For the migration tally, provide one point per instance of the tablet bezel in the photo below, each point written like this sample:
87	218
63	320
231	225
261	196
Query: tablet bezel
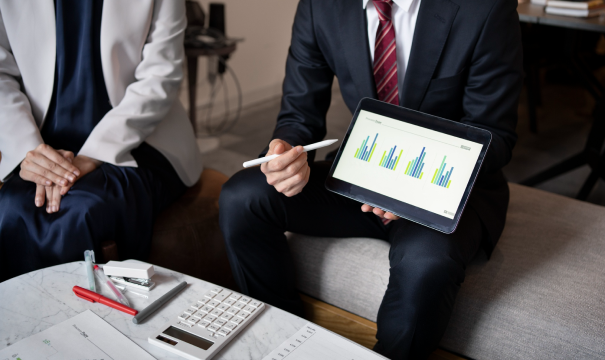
397	207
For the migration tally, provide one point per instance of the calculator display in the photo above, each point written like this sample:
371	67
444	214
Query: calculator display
188	338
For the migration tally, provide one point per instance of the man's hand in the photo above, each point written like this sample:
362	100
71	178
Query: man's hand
47	166
53	193
290	172
380	213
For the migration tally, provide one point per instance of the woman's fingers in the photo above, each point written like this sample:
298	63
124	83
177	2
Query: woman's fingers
64	189
40	194
45	164
33	177
53	198
54	193
57	158
51	165
67	155
56	196
33	172
48	190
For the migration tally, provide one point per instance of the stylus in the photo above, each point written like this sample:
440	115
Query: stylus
305	149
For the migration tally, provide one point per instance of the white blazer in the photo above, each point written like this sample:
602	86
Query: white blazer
142	57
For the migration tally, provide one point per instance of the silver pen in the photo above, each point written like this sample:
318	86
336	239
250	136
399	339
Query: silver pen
89	258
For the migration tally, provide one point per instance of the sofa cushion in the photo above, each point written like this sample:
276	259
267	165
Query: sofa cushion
540	296
351	273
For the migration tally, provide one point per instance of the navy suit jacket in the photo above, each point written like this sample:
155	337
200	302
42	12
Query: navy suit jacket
465	65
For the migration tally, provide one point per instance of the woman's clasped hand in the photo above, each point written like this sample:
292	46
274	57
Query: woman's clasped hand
54	172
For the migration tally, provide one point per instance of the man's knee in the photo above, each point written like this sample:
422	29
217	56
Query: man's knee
436	277
243	192
245	202
426	262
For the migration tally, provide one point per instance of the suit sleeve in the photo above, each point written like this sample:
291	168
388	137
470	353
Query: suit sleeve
494	84
307	87
149	98
18	130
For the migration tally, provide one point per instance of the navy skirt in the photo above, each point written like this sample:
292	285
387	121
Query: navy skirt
110	203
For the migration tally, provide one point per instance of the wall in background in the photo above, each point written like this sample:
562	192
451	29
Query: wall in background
259	61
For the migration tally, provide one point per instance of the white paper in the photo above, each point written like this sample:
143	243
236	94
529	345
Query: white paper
84	336
316	343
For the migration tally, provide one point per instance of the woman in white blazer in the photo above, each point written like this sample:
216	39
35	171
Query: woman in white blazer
93	139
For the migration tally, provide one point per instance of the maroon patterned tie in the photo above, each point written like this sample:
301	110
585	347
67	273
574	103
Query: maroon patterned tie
385	58
385	55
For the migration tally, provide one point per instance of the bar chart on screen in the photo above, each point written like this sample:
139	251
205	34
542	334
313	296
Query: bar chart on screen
389	160
441	176
416	165
364	152
409	163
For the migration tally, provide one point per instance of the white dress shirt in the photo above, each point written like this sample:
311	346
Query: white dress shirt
404	16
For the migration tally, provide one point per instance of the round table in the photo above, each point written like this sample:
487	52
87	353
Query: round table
33	302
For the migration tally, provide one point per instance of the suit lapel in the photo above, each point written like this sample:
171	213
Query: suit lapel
30	26
435	18
354	39
124	29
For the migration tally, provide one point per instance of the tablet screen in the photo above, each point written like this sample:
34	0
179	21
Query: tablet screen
422	167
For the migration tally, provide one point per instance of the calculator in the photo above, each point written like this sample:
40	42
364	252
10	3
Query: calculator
201	330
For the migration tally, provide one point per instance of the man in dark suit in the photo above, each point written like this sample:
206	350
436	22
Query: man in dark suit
457	59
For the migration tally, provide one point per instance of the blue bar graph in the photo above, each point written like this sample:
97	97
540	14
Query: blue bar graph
415	167
441	179
388	161
364	152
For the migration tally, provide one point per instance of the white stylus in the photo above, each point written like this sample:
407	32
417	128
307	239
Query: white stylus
305	149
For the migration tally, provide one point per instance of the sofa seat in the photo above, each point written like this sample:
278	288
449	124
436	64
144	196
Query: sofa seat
540	296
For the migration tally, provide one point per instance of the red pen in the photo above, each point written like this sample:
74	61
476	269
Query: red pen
93	296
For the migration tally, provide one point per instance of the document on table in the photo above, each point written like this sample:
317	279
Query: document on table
317	343
84	336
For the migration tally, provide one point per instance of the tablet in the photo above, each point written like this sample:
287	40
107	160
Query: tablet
417	166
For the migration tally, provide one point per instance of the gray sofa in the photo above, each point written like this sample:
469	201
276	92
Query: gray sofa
540	296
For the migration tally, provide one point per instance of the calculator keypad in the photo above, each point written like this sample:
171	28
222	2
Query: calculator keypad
204	323
219	311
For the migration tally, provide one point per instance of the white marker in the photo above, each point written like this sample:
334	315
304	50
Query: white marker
265	159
